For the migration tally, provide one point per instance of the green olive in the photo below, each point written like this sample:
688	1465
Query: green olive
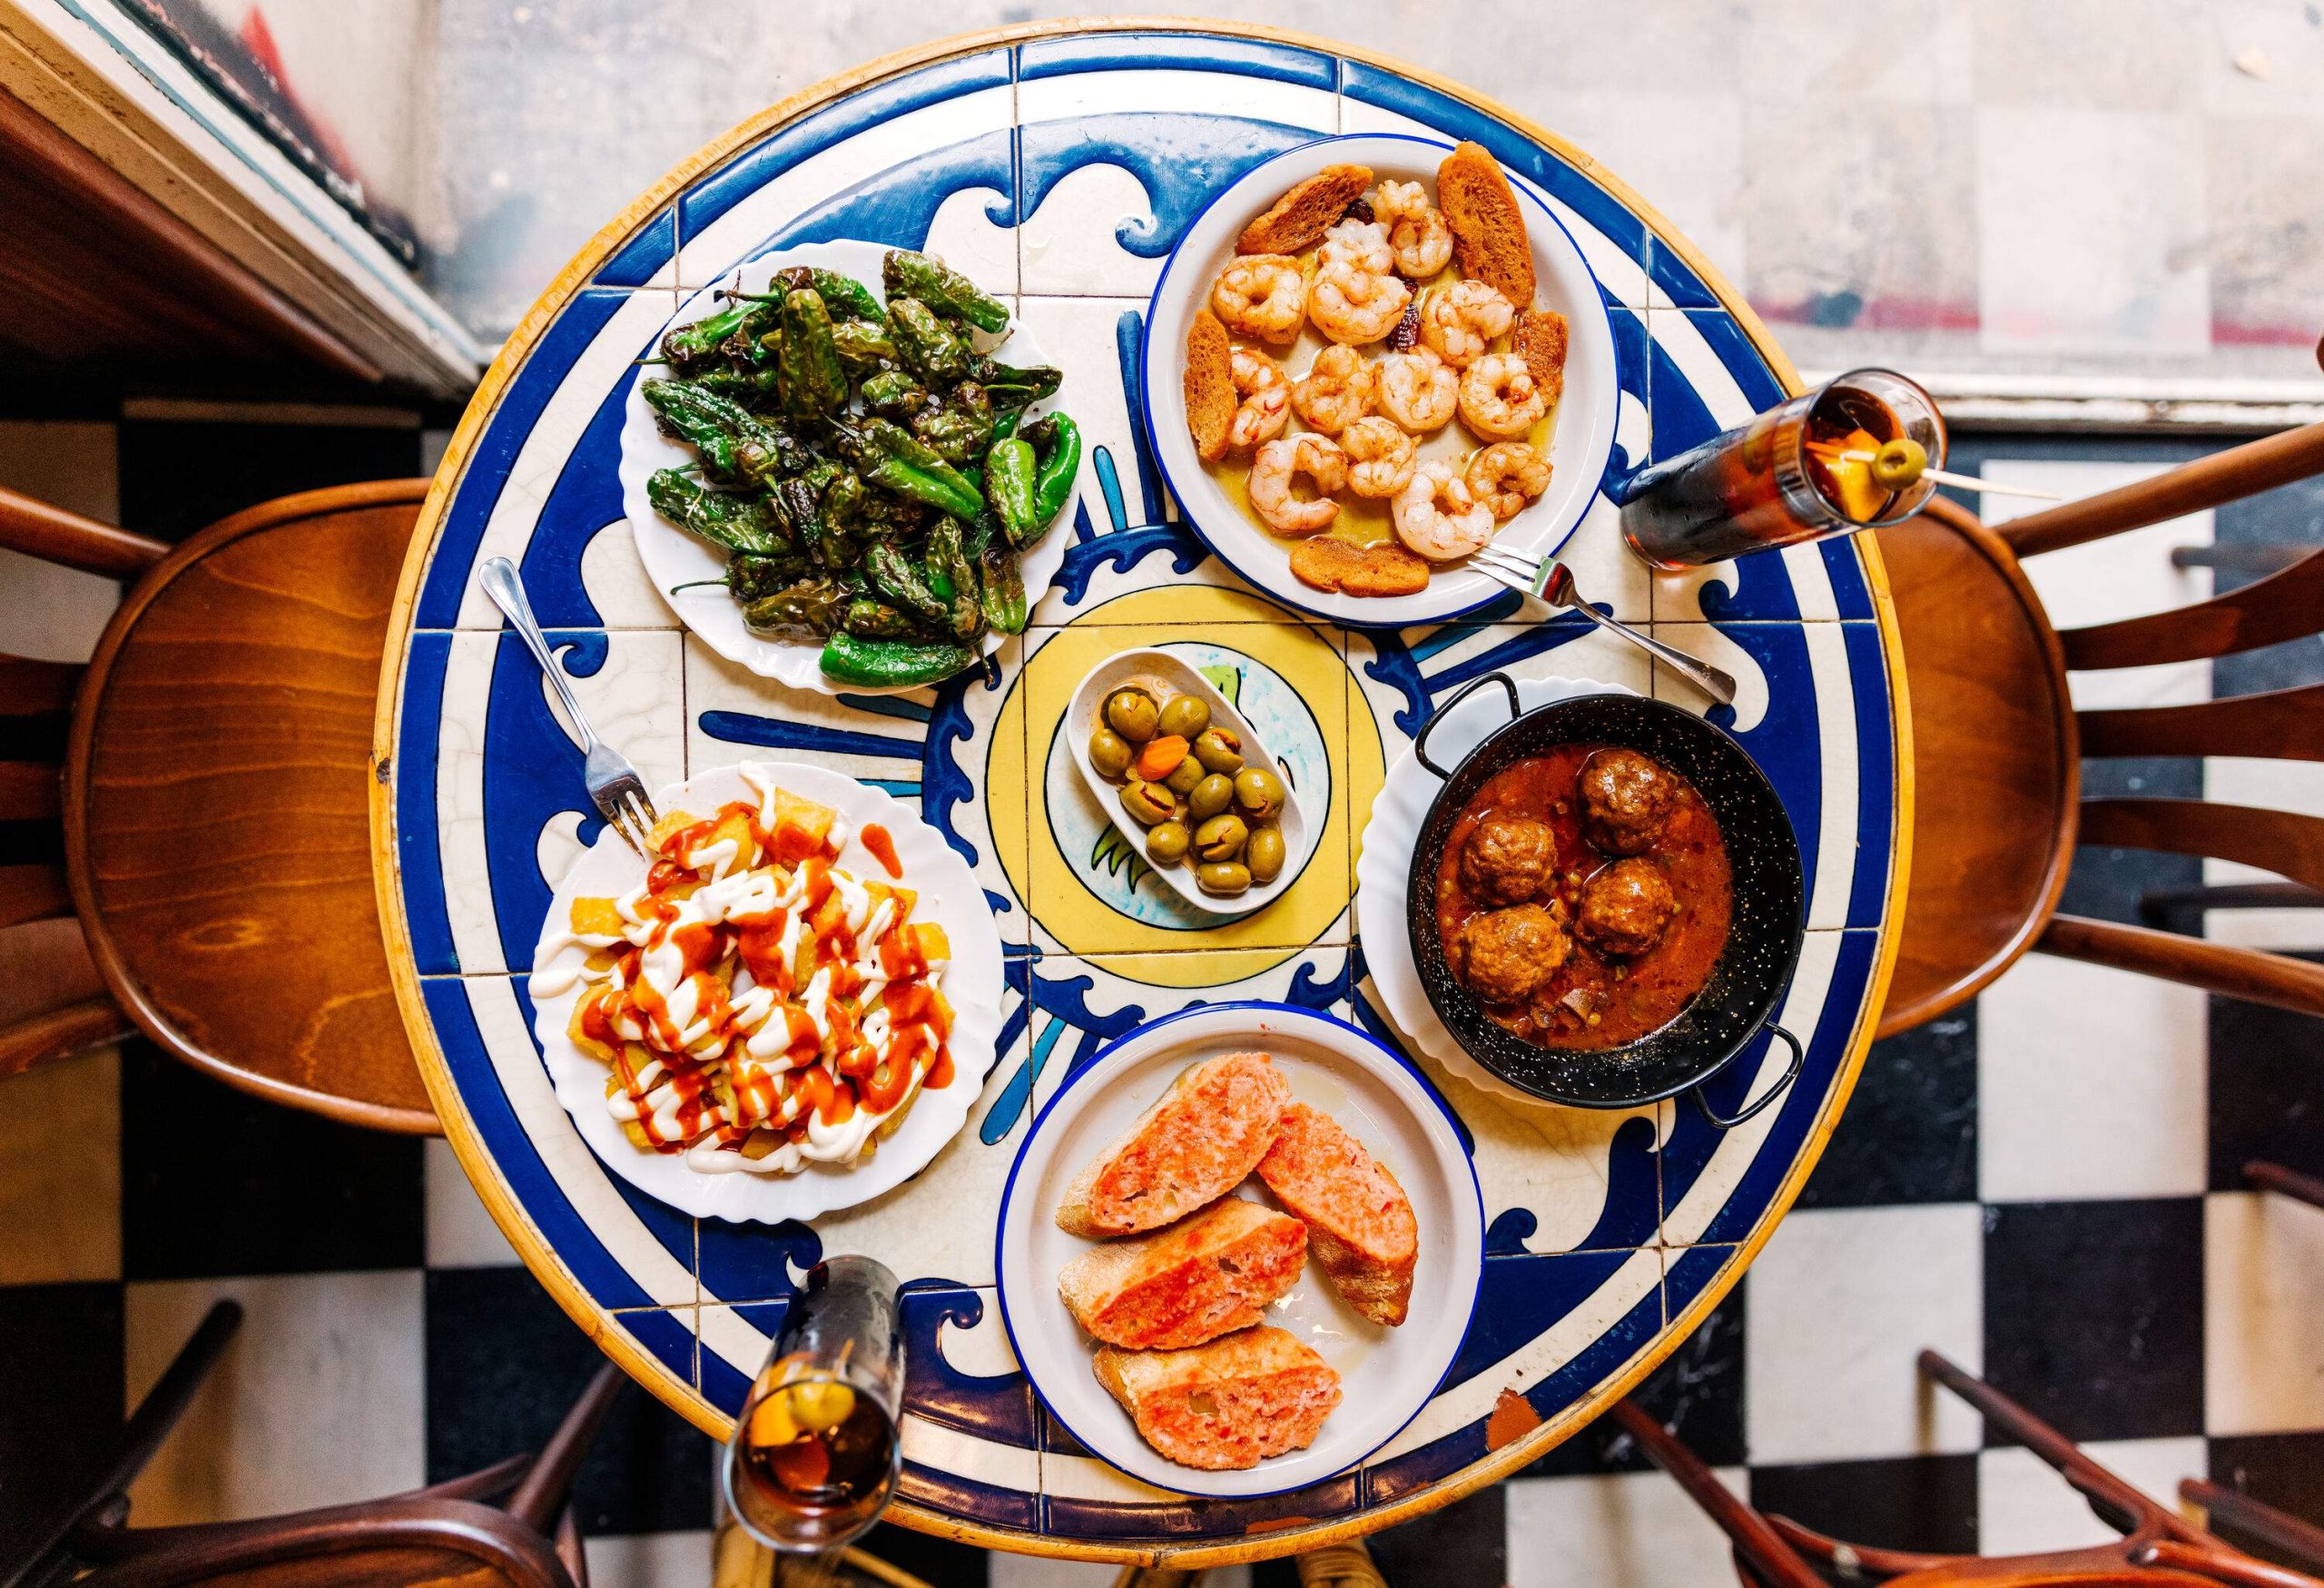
1132	713
1258	793
1211	795
1221	838
1109	753
1146	803
1228	877
1185	716
1167	843
1186	777
1220	749
1265	855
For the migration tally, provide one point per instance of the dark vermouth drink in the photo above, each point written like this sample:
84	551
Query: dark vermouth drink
815	1455
1801	471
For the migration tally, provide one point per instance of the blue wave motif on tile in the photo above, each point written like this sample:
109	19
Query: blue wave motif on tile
898	206
584	503
753	1262
1694	1140
1401	662
998	1409
1182	161
1786	741
532	772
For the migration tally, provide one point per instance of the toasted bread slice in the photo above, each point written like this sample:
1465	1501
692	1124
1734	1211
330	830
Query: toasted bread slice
1195	1280
1358	1219
1226	1405
1299	218
1488	237
1210	385
1539	340
1208	1132
1326	563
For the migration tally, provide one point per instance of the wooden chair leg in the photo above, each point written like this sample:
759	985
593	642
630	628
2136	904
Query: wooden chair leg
568	1547
2117	1503
542	1493
1339	1565
1770	1559
2261	1522
96	1517
2275	1176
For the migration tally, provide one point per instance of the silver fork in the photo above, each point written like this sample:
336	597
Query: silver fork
1550	580
615	787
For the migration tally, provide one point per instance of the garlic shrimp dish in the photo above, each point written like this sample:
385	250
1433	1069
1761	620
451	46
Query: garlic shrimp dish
758	1008
1424	378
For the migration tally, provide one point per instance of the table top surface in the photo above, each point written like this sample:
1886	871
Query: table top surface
1065	163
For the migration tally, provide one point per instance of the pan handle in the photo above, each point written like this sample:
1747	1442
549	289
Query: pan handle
1420	746
1729	1121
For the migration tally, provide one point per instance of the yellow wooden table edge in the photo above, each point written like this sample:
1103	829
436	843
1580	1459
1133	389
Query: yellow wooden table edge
477	1165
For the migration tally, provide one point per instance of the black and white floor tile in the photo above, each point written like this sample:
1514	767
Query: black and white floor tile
2046	1186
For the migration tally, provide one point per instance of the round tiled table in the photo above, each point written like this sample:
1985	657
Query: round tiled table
1060	165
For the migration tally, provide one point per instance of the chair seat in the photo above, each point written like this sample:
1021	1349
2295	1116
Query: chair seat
222	830
1996	763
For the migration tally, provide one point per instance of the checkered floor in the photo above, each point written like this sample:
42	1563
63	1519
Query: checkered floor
2045	1186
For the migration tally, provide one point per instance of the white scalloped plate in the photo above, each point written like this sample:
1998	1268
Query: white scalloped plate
1383	869
949	895
674	558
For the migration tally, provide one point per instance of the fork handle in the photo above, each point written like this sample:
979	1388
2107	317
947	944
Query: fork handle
1712	681
500	582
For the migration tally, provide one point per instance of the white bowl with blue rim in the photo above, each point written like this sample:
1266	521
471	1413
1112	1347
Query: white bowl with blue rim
683	568
1386	1375
1580	443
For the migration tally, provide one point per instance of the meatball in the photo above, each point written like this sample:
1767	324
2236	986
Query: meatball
1625	800
1508	859
1626	908
1507	954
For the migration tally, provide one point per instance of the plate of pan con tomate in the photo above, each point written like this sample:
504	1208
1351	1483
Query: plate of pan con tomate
844	467
788	1009
1239	1248
1367	360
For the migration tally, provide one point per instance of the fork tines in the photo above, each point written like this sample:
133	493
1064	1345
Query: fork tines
629	812
1512	569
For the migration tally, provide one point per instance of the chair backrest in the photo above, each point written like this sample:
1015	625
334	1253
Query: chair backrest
52	1000
214	794
2282	724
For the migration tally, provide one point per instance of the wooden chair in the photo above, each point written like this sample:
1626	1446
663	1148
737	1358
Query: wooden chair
491	1527
2158	1546
213	798
1997	744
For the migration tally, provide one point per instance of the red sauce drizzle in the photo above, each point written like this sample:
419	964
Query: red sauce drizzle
882	847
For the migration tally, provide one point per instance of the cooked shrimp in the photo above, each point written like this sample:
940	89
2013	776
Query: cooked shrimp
1436	516
1337	390
1265	408
1418	233
1362	243
1500	397
1506	475
1417	391
1382	457
1264	295
1278	464
1354	305
1460	321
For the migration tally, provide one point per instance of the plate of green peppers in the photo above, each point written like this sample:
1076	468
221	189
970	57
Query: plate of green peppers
845	468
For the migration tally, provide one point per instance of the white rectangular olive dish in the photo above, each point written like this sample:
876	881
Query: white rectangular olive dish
1164	674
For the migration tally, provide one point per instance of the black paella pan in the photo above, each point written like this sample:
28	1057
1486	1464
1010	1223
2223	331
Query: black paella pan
1763	938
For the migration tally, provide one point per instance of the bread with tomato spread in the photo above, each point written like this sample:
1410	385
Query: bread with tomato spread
1227	1405
1209	1131
1359	1221
1188	1282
